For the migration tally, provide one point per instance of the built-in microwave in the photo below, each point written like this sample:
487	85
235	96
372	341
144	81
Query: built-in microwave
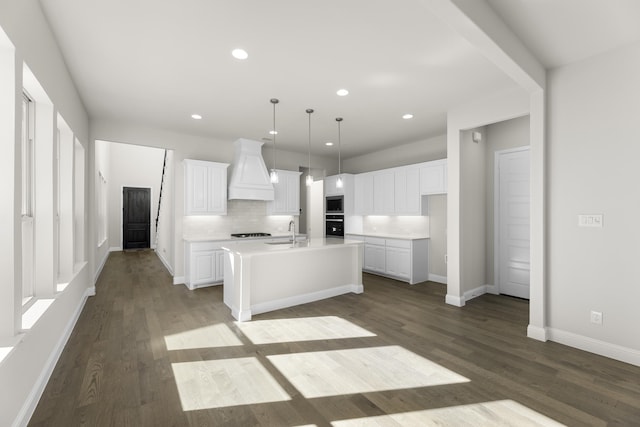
334	204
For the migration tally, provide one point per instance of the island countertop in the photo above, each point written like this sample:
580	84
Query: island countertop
260	247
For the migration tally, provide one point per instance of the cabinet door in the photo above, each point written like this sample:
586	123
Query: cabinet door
407	191
286	194
203	267
383	189
398	262
374	258
217	190
433	178
219	256
293	194
363	197
197	186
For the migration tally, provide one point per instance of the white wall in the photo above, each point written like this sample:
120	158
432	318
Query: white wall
594	107
406	154
25	371
132	166
437	237
473	199
164	247
499	136
101	159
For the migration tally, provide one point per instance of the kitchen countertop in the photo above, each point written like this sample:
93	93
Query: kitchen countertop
390	236
227	238
252	248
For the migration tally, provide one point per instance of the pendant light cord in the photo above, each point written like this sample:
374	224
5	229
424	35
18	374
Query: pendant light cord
274	101
309	111
339	120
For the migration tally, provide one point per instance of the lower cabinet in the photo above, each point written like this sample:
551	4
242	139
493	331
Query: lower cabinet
204	264
402	259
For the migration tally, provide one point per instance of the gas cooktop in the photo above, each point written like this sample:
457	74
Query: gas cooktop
250	234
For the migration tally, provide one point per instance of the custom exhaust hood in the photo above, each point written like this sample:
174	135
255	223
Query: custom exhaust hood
249	176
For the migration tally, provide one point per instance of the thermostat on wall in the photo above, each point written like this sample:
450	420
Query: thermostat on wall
590	220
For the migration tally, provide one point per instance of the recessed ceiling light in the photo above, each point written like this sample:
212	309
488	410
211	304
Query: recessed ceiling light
239	54
273	132
328	143
196	116
342	92
407	116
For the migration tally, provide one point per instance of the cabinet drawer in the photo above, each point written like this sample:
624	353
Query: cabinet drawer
374	241
395	243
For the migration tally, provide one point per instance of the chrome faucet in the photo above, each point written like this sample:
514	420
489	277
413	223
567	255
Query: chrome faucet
292	229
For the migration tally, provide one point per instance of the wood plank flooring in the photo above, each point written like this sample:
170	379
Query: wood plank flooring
147	353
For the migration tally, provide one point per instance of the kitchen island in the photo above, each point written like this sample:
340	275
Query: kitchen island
261	276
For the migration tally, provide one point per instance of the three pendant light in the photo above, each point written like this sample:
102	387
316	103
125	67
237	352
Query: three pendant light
309	180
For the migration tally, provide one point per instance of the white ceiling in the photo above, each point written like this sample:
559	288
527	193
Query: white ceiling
155	63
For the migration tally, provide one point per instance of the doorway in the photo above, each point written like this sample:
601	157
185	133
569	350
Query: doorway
136	218
512	222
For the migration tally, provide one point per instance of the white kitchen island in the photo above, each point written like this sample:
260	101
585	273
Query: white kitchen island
261	277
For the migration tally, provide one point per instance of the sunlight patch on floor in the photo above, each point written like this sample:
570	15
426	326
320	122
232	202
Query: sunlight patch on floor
31	316
227	382
361	370
301	329
218	335
487	414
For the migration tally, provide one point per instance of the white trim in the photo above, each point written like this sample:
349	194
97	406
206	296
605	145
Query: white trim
305	298
29	406
165	262
115	249
437	278
496	212
179	280
454	300
537	333
492	289
613	351
100	267
474	293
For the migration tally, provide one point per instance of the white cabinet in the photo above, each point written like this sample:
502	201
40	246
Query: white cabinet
383	193
363	184
204	264
433	177
407	191
286	194
331	188
374	255
205	188
398	257
402	259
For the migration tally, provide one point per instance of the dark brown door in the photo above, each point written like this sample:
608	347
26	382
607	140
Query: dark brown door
136	218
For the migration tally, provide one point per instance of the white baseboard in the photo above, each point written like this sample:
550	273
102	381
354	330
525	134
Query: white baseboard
454	300
99	270
115	249
178	280
165	262
29	406
305	298
473	293
602	348
537	333
437	278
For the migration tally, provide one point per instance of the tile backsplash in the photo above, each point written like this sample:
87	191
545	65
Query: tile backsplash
400	225
243	216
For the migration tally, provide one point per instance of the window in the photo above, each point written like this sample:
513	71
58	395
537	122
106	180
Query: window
28	126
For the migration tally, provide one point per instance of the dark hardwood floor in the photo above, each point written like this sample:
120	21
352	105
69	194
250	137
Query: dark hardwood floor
117	370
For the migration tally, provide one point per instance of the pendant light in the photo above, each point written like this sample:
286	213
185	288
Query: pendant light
309	176
273	175
339	182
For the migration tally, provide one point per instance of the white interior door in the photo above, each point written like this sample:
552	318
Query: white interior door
512	222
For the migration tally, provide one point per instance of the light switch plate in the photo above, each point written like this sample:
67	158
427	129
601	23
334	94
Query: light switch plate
590	220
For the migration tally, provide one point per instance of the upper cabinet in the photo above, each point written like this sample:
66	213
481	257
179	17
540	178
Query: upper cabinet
408	200
383	192
205	187
433	177
363	197
286	194
347	190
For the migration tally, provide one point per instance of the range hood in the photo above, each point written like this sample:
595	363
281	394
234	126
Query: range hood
249	176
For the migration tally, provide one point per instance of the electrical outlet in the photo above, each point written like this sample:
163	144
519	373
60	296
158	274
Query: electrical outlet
596	317
590	221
